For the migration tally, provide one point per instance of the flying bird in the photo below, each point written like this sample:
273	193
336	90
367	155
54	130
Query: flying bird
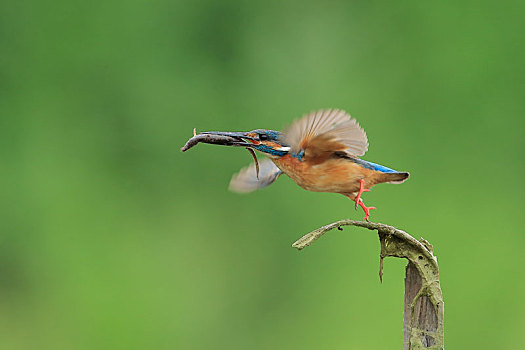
319	152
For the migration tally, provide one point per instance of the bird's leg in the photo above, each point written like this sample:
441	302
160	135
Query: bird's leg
365	209
361	190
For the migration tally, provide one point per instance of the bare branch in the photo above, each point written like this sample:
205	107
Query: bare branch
424	308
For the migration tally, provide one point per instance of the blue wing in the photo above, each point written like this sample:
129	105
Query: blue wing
246	180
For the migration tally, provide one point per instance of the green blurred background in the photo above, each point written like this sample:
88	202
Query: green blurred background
111	238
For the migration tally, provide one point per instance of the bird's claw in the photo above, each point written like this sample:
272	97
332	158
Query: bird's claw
365	209
358	198
367	212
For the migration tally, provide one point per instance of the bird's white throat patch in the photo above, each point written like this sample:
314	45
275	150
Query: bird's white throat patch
284	149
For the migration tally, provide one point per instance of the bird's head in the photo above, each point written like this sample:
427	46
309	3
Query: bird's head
269	142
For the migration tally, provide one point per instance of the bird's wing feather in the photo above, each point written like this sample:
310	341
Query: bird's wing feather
246	180
332	127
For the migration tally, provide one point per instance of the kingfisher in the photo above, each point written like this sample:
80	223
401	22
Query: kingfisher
320	152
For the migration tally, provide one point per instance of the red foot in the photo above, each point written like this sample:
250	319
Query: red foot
365	209
361	190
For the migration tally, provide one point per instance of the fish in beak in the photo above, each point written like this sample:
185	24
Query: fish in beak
225	138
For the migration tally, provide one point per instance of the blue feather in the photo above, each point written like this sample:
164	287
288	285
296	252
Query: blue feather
299	155
267	149
374	166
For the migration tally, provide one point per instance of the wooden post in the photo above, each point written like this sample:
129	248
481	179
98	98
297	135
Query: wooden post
424	309
420	322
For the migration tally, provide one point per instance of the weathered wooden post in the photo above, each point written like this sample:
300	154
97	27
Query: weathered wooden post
424	309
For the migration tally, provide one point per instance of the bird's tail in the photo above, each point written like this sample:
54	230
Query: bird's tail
393	178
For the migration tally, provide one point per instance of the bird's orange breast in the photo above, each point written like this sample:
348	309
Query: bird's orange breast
334	175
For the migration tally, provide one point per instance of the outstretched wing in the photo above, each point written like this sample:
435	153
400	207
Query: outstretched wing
246	180
326	131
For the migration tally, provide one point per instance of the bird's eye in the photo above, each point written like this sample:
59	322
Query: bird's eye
263	137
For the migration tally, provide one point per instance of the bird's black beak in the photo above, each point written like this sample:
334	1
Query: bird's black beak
239	139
